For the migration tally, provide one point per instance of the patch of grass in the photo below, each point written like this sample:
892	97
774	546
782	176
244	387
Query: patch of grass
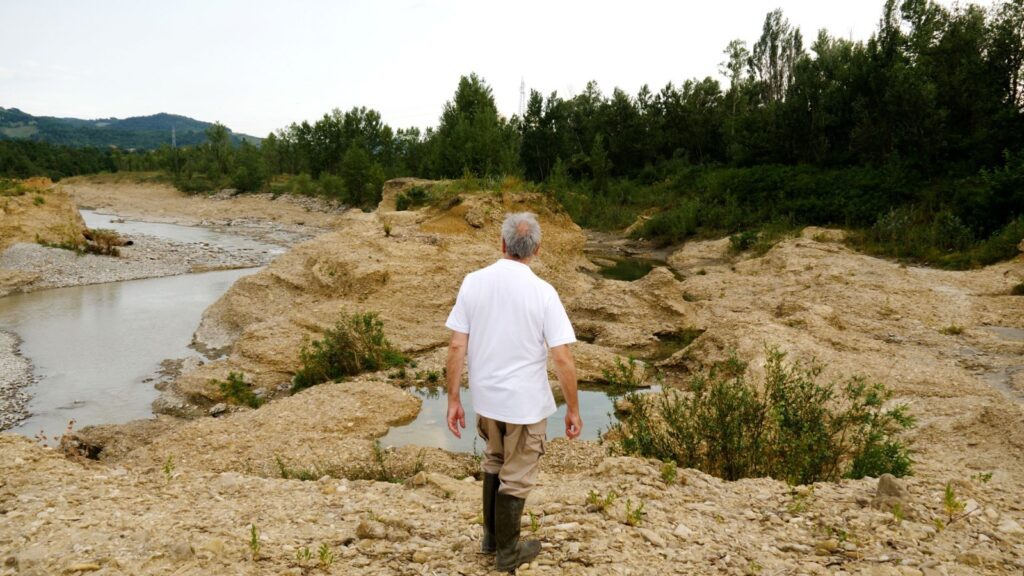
382	469
38	200
254	542
305	474
789	426
325	556
952	330
236	391
355	344
11	188
169	468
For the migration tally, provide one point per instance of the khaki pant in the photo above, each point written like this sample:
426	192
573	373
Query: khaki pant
512	451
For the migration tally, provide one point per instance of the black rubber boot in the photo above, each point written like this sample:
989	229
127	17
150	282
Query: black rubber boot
489	544
512	553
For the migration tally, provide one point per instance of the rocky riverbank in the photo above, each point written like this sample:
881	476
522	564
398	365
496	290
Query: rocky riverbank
184	497
15	376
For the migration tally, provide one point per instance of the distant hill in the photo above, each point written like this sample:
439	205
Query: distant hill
139	132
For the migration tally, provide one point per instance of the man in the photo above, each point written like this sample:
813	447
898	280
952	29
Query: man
506	319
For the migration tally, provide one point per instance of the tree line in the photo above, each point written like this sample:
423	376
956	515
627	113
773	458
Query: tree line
915	136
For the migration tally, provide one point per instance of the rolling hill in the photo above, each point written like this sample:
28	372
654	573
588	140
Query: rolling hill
139	132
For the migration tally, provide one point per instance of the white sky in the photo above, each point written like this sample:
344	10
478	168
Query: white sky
258	66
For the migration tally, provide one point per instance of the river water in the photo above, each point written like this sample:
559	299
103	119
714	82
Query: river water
95	349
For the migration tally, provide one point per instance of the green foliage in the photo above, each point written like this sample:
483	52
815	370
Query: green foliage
236	391
317	472
952	330
355	344
10	188
325	556
254	542
951	504
414	197
168	468
38	200
601	503
634	516
790	427
668	472
303	555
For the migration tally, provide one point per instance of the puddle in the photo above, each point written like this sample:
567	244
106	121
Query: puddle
429	429
627	269
671	342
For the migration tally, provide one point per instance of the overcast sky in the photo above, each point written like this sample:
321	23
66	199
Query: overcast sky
258	66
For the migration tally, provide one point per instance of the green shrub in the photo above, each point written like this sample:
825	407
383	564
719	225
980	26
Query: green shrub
236	391
743	241
412	198
38	200
11	188
790	427
355	344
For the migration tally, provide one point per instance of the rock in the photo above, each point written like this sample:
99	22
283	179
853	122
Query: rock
652	537
682	531
218	409
970	559
794	547
420	557
625	465
82	567
180	552
214	546
1010	526
371	530
892	495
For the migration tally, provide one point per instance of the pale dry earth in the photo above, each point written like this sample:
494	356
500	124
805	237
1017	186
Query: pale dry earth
176	497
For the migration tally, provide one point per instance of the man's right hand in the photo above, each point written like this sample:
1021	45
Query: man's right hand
573	424
456	418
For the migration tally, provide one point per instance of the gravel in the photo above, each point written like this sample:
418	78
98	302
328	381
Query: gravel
148	257
15	376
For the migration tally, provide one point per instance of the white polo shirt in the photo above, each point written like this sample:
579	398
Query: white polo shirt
510	314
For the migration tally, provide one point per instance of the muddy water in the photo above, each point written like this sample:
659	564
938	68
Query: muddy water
429	428
93	347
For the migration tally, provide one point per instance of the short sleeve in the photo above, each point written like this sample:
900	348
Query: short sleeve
557	328
458	318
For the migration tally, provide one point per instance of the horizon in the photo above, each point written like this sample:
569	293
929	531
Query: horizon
212	63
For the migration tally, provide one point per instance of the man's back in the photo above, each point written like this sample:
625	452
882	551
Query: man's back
510	314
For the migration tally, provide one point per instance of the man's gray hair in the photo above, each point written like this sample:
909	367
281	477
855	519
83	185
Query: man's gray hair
521	233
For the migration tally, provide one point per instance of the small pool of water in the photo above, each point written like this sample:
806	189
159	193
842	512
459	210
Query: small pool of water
430	428
628	269
178	233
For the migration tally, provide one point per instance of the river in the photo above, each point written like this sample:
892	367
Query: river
96	349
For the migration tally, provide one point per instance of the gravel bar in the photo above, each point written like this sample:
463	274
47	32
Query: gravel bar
15	376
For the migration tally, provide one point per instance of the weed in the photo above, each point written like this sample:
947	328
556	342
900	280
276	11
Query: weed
634	516
38	200
951	504
355	344
801	500
897	513
387	227
952	330
303	555
939	524
534	522
325	555
625	376
743	241
254	542
305	474
236	391
789	427
11	188
169	468
668	472
983	477
601	503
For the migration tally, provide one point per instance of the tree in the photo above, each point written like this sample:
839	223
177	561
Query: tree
775	55
471	136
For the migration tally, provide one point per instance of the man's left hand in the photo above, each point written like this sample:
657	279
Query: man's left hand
573	424
456	418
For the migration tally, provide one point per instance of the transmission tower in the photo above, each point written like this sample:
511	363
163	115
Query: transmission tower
522	97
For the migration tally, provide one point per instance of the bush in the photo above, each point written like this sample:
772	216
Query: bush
413	198
355	344
791	427
236	391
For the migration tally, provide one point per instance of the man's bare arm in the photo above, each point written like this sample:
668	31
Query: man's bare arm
453	368
565	368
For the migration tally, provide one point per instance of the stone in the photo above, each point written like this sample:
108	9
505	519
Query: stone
890	495
371	530
180	552
1010	526
420	557
214	546
682	531
82	567
652	537
218	409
